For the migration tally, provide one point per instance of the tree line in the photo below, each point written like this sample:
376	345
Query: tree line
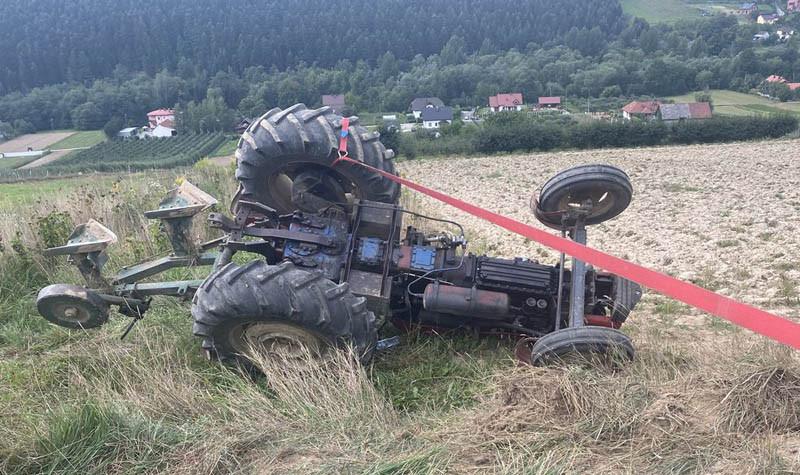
52	41
613	60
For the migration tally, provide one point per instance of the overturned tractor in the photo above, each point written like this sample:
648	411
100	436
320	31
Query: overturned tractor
336	251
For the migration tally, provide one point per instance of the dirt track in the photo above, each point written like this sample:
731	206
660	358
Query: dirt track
35	141
725	216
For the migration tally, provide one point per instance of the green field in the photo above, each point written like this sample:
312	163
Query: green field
13	163
670	11
118	155
84	139
737	103
225	149
655	11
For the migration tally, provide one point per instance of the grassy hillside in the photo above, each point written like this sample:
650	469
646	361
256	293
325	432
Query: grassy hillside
701	397
737	103
84	139
656	11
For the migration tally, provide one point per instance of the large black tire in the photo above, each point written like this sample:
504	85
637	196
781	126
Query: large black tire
303	303
580	344
283	144
607	186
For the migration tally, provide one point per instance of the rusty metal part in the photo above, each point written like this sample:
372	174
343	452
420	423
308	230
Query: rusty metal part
470	302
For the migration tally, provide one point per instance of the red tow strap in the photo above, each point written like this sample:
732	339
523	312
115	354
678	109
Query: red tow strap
772	326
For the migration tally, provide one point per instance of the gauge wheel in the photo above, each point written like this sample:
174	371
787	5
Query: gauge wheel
607	191
72	306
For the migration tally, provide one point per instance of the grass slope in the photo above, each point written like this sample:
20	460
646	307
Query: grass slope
737	103
701	397
660	11
84	139
13	163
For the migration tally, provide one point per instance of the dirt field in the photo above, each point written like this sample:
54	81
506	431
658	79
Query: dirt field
726	216
49	158
35	141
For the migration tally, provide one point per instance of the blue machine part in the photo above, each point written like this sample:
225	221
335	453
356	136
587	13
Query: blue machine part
328	260
370	251
423	258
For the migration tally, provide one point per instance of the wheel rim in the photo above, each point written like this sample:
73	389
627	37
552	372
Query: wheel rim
71	307
325	186
275	339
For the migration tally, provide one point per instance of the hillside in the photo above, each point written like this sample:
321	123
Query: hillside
701	397
62	41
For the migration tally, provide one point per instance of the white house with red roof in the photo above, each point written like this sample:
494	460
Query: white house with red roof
156	117
506	102
644	110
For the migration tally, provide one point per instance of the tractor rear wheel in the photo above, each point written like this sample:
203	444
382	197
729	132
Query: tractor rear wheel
279	309
285	161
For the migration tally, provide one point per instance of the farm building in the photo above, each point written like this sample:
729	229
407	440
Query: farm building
646	110
747	8
767	19
549	103
156	117
421	103
128	133
335	101
672	113
432	117
506	102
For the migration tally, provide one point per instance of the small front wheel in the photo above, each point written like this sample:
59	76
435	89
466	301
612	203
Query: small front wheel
583	344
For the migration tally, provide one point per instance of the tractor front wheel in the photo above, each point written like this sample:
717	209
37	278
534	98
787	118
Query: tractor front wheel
279	309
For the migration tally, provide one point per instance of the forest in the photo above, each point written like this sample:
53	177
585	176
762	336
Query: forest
211	60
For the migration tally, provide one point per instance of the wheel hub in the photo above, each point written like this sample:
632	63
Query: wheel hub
276	339
72	306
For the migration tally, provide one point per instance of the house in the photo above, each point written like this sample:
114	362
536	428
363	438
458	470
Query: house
767	19
334	101
776	78
421	103
432	117
672	113
156	117
549	103
747	9
646	110
761	36
128	133
793	5
506	102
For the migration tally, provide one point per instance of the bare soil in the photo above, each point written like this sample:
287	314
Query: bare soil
49	158
38	141
723	216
